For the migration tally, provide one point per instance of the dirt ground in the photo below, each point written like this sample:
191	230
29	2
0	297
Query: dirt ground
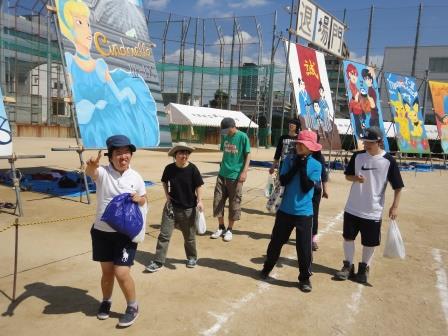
58	285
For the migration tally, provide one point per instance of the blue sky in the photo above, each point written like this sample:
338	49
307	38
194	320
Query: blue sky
394	21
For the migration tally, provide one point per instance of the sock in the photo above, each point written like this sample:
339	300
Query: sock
108	300
222	227
349	250
367	254
133	304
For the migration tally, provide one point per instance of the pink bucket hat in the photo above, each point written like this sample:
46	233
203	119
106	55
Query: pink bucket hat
309	139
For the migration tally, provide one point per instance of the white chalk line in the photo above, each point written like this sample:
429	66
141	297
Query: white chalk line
353	306
262	287
442	282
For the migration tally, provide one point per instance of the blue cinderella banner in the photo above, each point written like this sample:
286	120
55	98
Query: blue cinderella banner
5	131
111	68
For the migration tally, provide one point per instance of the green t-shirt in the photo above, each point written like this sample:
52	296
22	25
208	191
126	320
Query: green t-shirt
235	148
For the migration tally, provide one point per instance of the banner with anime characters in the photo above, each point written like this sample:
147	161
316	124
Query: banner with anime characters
5	131
311	87
409	124
439	93
112	71
363	99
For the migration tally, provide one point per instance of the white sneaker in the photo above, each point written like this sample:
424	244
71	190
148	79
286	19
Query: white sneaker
228	236
218	233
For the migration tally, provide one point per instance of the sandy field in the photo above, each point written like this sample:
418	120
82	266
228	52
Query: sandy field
58	287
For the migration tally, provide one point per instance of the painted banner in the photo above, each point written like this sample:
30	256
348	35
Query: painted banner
311	87
439	93
112	71
409	123
363	99
5	131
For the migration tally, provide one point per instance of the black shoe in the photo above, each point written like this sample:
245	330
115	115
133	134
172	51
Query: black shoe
264	274
104	310
347	272
305	286
363	273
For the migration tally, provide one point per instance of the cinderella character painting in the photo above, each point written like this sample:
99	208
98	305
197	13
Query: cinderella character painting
107	101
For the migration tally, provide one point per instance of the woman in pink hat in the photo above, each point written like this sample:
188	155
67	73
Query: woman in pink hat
299	174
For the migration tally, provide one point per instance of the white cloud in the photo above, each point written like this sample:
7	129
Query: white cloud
201	3
248	4
156	4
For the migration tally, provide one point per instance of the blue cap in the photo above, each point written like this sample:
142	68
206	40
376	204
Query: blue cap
116	141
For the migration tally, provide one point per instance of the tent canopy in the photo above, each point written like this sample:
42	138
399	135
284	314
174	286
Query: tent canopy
205	116
344	127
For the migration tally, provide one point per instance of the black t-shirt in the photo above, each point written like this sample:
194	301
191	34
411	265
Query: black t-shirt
182	184
286	145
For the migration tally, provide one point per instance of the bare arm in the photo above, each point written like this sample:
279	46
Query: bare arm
92	166
393	211
199	198
141	200
165	189
274	166
355	178
243	174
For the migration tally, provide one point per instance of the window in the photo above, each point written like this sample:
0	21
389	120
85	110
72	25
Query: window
58	107
438	64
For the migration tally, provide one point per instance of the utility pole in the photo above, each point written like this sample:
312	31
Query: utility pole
271	82
417	34
369	34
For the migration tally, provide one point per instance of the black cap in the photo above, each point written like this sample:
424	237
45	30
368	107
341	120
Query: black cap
227	123
116	141
372	134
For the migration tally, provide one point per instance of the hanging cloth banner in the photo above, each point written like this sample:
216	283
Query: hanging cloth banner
311	87
439	93
409	123
5	131
111	67
363	99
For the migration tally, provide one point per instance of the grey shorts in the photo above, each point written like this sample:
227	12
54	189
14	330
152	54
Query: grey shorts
227	189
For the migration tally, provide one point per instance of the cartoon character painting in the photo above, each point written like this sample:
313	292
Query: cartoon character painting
439	94
363	99
107	101
409	125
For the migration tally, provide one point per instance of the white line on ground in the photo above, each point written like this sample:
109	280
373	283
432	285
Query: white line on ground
353	306
442	282
221	319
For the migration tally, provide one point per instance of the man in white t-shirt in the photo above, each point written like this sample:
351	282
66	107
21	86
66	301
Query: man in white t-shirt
115	251
369	170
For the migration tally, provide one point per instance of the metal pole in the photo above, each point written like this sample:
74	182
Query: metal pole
240	64
229	95
165	32
260	57
221	56
49	72
287	65
425	94
271	82
194	62
203	62
369	35
16	255
72	107
417	34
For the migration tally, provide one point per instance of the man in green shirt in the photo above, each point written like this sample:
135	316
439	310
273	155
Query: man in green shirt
232	174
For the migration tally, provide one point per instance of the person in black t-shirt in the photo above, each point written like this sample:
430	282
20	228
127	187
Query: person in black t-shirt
182	184
286	144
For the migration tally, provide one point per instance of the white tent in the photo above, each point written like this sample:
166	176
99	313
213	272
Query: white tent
343	126
205	116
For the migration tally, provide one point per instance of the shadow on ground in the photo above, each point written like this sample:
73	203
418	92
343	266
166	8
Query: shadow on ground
61	299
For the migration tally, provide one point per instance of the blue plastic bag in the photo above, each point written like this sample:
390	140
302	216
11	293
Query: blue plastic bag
123	215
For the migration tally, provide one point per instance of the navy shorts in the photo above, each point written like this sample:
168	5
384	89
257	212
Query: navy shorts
112	247
370	229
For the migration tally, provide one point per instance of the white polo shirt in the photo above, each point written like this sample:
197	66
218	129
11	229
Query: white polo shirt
366	200
111	183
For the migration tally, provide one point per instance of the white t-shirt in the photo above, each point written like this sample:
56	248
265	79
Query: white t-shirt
366	200
111	183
